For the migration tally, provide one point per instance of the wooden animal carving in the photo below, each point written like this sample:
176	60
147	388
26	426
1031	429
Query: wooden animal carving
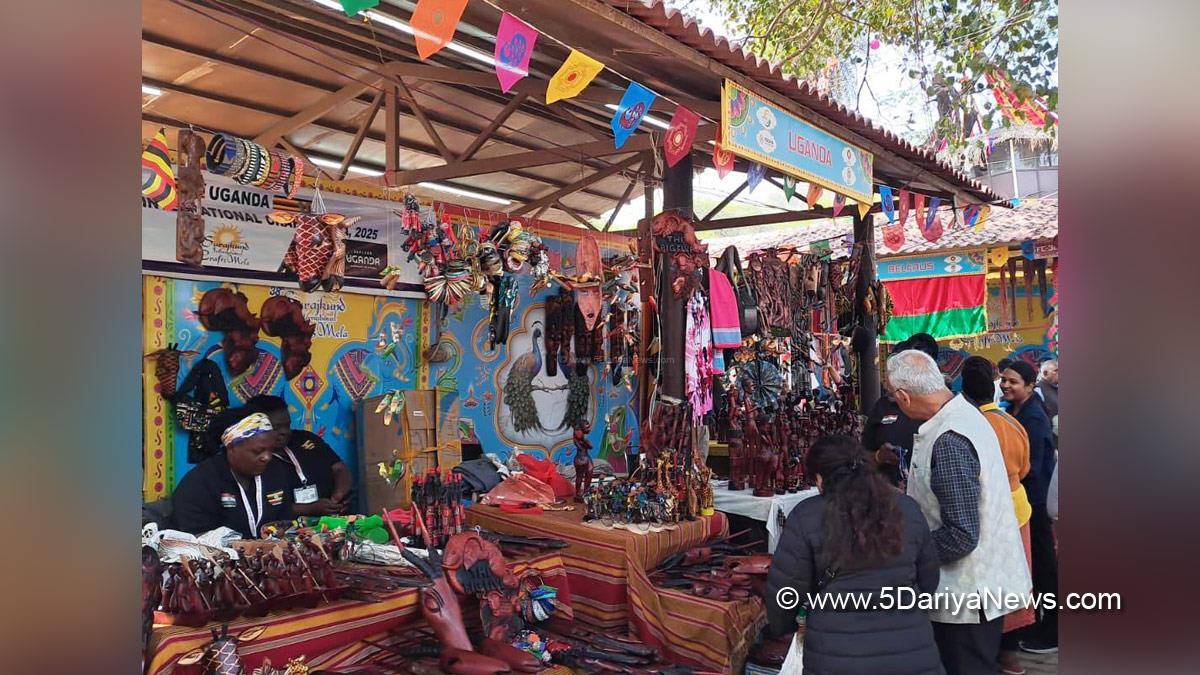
338	228
189	220
166	368
310	250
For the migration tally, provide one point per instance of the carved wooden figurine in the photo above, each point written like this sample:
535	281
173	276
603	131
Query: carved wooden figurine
583	459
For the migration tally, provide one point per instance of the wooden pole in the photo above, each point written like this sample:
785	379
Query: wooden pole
868	357
677	196
645	291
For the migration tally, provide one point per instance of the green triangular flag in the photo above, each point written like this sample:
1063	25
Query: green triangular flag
789	188
821	248
353	7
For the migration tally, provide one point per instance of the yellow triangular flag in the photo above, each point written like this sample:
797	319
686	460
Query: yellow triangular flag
863	208
982	218
575	74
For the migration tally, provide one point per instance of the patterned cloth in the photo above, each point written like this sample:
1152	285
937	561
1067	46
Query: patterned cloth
611	588
328	635
698	357
954	478
722	304
249	427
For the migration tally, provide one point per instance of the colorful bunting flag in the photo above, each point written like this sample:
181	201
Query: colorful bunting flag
573	76
863	209
755	175
839	203
789	188
1027	249
814	194
514	46
722	158
353	7
886	201
681	133
904	199
893	236
632	109
159	185
984	212
931	229
997	256
919	208
434	22
821	248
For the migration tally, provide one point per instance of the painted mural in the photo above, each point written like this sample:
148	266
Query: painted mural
347	365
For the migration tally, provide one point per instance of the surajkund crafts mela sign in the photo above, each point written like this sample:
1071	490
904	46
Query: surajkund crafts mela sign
765	133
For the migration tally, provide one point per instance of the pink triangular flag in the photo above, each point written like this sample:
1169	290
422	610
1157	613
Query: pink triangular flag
839	203
677	143
514	46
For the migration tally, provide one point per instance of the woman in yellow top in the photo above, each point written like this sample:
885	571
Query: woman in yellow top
978	386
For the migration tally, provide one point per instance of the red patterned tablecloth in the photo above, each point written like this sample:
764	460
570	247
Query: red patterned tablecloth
329	635
607	571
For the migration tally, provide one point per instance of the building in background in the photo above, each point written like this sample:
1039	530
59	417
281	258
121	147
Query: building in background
1035	173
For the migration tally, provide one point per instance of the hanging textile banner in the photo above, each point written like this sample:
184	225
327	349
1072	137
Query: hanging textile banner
944	295
893	236
573	76
931	228
919	209
887	203
158	181
904	198
240	243
434	23
814	195
514	47
722	158
677	143
839	203
765	133
634	105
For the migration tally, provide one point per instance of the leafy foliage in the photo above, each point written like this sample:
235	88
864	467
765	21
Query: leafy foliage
952	45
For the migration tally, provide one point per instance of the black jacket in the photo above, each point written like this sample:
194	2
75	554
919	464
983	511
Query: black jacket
887	423
848	642
1033	417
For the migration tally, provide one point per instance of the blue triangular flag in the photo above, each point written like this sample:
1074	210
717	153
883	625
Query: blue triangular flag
1027	249
755	175
630	111
889	206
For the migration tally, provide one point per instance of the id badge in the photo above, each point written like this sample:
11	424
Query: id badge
306	494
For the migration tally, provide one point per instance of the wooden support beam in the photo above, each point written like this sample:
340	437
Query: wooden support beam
486	133
569	153
577	122
612	217
822	213
571	212
537	88
578	185
725	202
359	135
316	110
391	134
423	119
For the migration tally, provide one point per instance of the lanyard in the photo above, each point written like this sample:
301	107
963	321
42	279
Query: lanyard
296	464
253	521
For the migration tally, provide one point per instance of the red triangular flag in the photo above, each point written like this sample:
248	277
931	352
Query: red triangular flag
904	196
893	236
839	203
434	22
677	142
919	208
722	159
814	193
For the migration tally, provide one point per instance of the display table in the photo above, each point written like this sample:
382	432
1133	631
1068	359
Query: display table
607	569
771	510
328	635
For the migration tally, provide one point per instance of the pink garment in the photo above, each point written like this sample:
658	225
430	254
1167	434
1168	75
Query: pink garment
722	303
698	356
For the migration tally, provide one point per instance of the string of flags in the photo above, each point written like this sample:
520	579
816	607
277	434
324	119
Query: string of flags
434	23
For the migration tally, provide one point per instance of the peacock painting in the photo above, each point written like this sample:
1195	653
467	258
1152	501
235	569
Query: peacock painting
518	386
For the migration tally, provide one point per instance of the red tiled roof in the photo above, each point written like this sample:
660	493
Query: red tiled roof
685	29
1037	220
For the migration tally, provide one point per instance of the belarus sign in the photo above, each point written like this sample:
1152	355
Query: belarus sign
762	132
955	264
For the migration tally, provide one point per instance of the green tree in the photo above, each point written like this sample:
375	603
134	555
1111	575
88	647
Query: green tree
952	45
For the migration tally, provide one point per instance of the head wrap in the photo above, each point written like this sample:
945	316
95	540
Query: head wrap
250	426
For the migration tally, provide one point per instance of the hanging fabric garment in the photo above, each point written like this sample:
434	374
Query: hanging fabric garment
723	306
201	396
698	358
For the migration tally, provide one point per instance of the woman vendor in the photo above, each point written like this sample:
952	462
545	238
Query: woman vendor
240	488
323	479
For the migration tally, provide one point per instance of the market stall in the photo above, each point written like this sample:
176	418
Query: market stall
481	363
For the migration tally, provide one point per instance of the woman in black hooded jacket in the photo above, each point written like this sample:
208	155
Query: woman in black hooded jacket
857	537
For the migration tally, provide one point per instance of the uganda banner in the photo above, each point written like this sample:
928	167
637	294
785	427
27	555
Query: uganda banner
944	295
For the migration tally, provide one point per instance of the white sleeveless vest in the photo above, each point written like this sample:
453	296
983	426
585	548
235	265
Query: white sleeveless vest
998	562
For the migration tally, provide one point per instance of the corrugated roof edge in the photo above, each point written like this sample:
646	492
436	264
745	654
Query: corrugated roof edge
687	30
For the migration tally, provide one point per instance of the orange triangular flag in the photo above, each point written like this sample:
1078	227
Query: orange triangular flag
434	23
814	193
575	74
